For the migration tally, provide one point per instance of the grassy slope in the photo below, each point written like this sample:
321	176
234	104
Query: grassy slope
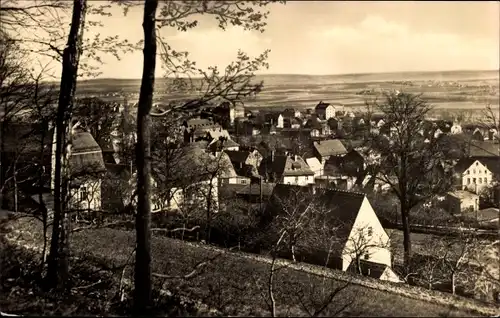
233	282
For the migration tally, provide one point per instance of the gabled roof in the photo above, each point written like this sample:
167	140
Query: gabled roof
332	147
237	156
492	163
322	106
484	149
339	208
283	165
217	144
296	167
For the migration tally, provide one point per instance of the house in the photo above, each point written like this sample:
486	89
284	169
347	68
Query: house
359	235
86	167
291	113
477	173
460	201
323	150
324	111
456	128
275	119
245	164
286	169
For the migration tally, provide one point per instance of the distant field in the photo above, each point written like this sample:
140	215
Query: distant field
445	90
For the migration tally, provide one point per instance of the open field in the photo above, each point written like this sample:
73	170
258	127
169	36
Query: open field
234	278
446	90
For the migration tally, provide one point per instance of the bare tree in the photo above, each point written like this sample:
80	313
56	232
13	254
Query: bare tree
411	167
58	262
235	84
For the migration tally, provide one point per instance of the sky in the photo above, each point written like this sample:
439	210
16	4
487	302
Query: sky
337	37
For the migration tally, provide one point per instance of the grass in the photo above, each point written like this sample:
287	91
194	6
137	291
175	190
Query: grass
230	283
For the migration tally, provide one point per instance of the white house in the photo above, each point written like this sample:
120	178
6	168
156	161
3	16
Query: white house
279	122
359	237
325	111
85	166
477	173
456	129
287	169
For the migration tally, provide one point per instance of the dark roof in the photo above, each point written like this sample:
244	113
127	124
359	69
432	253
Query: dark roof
371	269
313	123
322	106
237	156
492	163
484	149
339	208
330	147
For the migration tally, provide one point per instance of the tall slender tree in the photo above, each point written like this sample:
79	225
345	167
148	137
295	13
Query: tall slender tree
58	266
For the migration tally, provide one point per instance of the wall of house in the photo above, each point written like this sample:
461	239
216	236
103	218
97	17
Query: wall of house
280	122
199	198
452	204
329	112
254	159
476	178
298	180
456	129
87	196
375	246
389	275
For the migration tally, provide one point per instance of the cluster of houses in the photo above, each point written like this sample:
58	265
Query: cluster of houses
331	167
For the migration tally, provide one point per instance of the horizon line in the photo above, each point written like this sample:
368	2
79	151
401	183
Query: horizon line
315	75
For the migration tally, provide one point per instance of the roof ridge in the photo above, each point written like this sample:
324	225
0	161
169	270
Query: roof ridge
354	193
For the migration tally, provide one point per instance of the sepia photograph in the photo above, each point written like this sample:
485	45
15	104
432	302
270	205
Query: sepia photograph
267	158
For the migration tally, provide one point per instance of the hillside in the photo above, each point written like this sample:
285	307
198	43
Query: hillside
450	90
235	282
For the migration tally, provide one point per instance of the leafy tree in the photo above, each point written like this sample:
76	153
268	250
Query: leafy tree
97	116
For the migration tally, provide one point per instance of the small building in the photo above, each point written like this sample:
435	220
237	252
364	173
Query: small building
286	169
456	128
323	150
461	201
325	111
359	235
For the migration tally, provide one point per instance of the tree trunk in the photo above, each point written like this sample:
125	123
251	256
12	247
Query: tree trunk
453	283
43	208
406	235
15	188
142	278
57	262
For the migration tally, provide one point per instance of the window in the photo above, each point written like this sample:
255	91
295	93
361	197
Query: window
370	231
243	181
367	256
473	180
477	164
296	179
485	171
474	171
83	193
480	180
468	180
486	180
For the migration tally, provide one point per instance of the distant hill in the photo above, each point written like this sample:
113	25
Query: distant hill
284	79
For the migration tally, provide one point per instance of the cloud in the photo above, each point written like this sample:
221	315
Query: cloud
378	45
218	47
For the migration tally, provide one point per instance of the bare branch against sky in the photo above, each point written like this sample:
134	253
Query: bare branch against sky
312	37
